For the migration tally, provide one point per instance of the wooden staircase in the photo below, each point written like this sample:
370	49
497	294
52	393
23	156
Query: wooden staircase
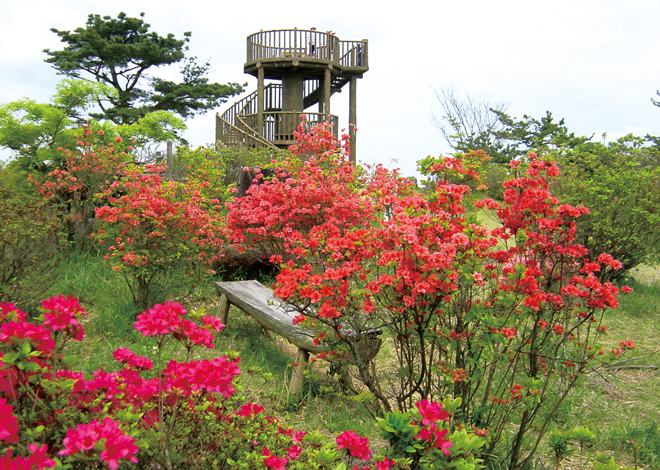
236	127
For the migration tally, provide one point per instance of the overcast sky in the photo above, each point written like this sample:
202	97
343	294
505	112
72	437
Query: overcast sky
595	63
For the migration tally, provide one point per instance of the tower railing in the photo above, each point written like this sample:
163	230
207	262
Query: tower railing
320	60
280	125
282	44
240	135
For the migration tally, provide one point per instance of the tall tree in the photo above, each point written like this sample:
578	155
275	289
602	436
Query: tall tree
529	134
119	52
470	123
35	131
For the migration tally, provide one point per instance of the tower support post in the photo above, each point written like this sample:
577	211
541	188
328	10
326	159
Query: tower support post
260	101
352	117
327	82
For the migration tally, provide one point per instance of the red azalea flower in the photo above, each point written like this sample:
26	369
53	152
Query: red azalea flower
509	332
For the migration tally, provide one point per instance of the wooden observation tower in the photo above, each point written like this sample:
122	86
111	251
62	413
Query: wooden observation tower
304	69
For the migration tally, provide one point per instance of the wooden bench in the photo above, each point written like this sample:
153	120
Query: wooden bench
258	301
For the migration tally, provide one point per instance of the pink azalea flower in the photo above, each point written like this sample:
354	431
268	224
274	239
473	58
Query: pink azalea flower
161	319
293	452
213	323
128	357
38	459
272	461
9	312
356	445
61	304
8	423
434	436
116	445
249	410
431	412
17	332
119	447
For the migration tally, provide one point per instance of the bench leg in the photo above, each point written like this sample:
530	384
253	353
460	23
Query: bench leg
299	372
223	309
345	380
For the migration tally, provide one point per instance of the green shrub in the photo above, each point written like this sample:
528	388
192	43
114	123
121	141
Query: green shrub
219	167
496	175
31	244
620	184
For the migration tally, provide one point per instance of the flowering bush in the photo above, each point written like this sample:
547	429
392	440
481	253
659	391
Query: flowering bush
428	436
105	417
507	319
157	229
324	193
180	415
88	168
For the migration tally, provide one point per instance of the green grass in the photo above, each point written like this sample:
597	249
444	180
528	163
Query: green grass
100	290
619	404
622	402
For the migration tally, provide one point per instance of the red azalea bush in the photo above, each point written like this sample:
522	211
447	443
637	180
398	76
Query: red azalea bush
507	320
324	193
161	234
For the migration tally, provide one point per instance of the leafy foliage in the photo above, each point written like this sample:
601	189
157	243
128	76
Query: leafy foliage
40	133
119	51
533	135
219	167
35	130
619	182
31	244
